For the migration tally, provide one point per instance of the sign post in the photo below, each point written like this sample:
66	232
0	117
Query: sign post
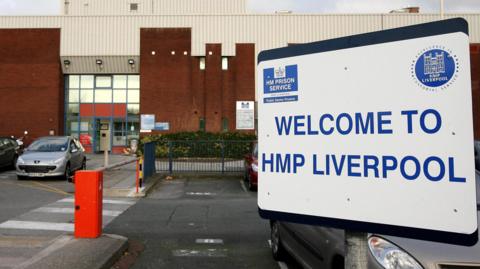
356	250
371	133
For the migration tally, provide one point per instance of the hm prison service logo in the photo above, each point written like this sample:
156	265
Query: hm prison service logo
280	84
435	68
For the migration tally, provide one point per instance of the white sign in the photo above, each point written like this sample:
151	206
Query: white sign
369	129
245	115
147	122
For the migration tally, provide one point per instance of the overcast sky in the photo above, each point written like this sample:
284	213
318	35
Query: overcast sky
49	7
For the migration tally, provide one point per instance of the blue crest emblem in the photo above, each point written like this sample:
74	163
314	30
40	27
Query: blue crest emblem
435	68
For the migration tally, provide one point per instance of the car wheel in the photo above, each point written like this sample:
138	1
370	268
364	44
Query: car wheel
278	252
338	262
68	172
84	164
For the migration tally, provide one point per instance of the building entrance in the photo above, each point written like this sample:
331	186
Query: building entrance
102	110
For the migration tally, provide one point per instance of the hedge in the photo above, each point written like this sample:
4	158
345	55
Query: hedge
231	145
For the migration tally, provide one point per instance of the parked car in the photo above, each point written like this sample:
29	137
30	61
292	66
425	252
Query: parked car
251	168
323	247
51	156
9	151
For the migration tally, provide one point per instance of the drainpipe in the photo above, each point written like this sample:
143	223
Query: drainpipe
442	10
65	7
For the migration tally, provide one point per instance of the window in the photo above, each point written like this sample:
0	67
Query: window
133	82
133	127
133	96
73	96
202	124
119	82
224	63
133	109
119	96
103	96
73	145
103	89
104	82
86	82
133	6
73	109
225	124
119	133
202	63
74	82
86	96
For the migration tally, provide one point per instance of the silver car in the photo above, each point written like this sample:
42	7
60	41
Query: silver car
51	156
323	247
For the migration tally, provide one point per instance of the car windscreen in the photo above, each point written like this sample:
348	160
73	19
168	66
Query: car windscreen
49	145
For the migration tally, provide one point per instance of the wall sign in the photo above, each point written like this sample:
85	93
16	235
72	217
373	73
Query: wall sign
162	126
147	122
245	115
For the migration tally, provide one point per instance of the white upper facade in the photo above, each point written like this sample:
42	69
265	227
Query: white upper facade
152	7
111	28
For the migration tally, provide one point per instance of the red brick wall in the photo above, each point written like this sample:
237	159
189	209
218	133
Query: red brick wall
175	89
475	73
31	82
213	88
244	65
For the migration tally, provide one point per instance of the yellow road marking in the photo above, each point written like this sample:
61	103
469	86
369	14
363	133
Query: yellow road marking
37	187
50	187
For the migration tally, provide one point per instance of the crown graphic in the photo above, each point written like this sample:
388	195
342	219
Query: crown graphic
280	72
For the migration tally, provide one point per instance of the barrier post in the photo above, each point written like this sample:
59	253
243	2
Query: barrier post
137	175
356	250
88	204
141	172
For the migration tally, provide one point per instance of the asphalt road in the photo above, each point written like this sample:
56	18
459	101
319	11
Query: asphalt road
18	197
198	223
183	223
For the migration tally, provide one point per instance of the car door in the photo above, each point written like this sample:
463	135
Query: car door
75	155
311	239
81	151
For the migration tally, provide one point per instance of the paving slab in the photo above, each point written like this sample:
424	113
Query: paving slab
68	252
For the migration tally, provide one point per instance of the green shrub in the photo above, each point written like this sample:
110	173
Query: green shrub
201	144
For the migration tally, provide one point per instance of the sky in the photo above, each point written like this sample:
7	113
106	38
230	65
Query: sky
52	7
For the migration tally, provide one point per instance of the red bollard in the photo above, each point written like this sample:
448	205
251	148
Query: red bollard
88	204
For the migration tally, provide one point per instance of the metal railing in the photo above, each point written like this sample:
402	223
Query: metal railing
201	156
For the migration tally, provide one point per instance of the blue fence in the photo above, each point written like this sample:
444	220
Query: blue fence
148	160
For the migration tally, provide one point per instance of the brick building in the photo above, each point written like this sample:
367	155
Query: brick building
103	63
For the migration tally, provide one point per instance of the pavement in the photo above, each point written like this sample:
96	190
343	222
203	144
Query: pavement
120	181
42	237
